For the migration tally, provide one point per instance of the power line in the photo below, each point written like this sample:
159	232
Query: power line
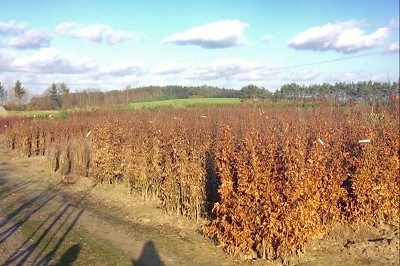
331	60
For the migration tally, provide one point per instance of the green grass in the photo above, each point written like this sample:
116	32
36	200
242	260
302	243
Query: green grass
182	103
89	251
36	113
61	243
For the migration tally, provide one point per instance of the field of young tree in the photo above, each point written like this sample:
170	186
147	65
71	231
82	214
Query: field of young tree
268	178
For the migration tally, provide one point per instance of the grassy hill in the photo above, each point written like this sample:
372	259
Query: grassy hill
181	103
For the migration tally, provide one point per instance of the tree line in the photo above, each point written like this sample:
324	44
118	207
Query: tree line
341	93
59	96
366	91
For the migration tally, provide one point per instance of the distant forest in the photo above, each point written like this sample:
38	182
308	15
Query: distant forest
90	98
58	96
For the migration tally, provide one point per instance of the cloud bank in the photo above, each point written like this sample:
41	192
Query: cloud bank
51	60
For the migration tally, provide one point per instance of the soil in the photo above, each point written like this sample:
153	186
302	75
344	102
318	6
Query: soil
142	230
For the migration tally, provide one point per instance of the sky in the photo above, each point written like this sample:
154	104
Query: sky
111	45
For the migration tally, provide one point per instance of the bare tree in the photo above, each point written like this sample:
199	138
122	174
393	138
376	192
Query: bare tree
2	94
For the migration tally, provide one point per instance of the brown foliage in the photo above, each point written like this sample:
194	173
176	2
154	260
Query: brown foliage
275	178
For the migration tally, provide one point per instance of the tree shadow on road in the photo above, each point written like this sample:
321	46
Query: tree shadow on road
46	234
20	185
149	256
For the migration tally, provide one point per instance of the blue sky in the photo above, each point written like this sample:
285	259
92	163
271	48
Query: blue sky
115	44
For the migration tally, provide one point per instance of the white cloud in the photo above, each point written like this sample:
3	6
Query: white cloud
345	37
31	39
22	37
355	76
121	68
384	77
234	69
171	68
306	75
394	48
11	28
97	33
394	23
6	59
51	60
266	39
345	76
220	34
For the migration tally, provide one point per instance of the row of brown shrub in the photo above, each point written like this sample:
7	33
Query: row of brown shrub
288	180
278	178
8	121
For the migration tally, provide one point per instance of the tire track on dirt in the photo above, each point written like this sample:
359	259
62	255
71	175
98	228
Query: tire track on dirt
45	201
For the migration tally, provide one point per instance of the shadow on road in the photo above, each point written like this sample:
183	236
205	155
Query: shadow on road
6	191
149	256
45	232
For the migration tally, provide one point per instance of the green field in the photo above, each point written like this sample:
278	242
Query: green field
35	113
175	103
181	103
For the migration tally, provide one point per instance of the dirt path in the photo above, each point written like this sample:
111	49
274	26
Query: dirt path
29	194
46	222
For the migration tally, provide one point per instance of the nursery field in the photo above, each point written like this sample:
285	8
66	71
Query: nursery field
261	182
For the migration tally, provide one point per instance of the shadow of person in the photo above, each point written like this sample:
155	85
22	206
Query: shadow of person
149	256
69	256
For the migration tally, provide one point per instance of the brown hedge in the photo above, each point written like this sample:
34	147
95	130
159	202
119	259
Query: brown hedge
274	179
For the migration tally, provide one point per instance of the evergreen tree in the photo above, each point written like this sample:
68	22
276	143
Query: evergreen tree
252	92
19	92
55	97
